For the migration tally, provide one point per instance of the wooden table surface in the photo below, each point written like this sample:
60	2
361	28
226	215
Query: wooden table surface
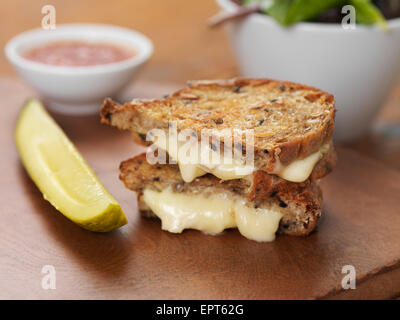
360	227
132	263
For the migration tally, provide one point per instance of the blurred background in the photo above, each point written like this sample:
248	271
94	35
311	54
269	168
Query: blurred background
184	48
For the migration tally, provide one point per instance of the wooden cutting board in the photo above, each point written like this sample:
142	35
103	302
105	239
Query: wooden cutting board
360	227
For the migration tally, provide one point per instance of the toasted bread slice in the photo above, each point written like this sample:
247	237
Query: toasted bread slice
290	121
264	185
301	207
299	117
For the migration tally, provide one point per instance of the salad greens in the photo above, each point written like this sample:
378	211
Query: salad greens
288	12
367	13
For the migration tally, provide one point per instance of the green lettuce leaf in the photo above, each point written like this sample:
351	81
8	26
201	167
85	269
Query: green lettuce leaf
289	12
367	13
276	9
305	10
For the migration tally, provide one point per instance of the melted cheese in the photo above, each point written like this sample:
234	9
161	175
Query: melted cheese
191	168
229	169
189	171
211	214
300	170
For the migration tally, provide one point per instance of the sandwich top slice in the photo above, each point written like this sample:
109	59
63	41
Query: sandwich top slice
291	126
211	205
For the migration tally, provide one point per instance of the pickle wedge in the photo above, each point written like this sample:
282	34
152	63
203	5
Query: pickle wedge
61	173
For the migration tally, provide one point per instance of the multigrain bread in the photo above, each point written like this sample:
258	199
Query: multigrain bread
264	184
301	208
290	120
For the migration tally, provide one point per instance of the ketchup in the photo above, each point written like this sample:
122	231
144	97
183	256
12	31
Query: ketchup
78	53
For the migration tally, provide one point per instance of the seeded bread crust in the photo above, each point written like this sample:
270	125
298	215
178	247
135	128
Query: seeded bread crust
290	120
301	207
265	184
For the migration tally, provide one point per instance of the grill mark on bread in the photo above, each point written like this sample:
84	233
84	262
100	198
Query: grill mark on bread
214	100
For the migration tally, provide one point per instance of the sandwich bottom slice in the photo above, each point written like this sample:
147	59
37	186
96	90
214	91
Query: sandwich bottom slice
211	205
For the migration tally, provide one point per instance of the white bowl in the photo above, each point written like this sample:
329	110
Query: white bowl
78	90
358	66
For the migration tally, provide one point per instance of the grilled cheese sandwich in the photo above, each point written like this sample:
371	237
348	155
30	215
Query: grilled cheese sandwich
277	190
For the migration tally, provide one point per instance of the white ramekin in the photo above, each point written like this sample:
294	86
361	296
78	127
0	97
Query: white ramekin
358	66
78	90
